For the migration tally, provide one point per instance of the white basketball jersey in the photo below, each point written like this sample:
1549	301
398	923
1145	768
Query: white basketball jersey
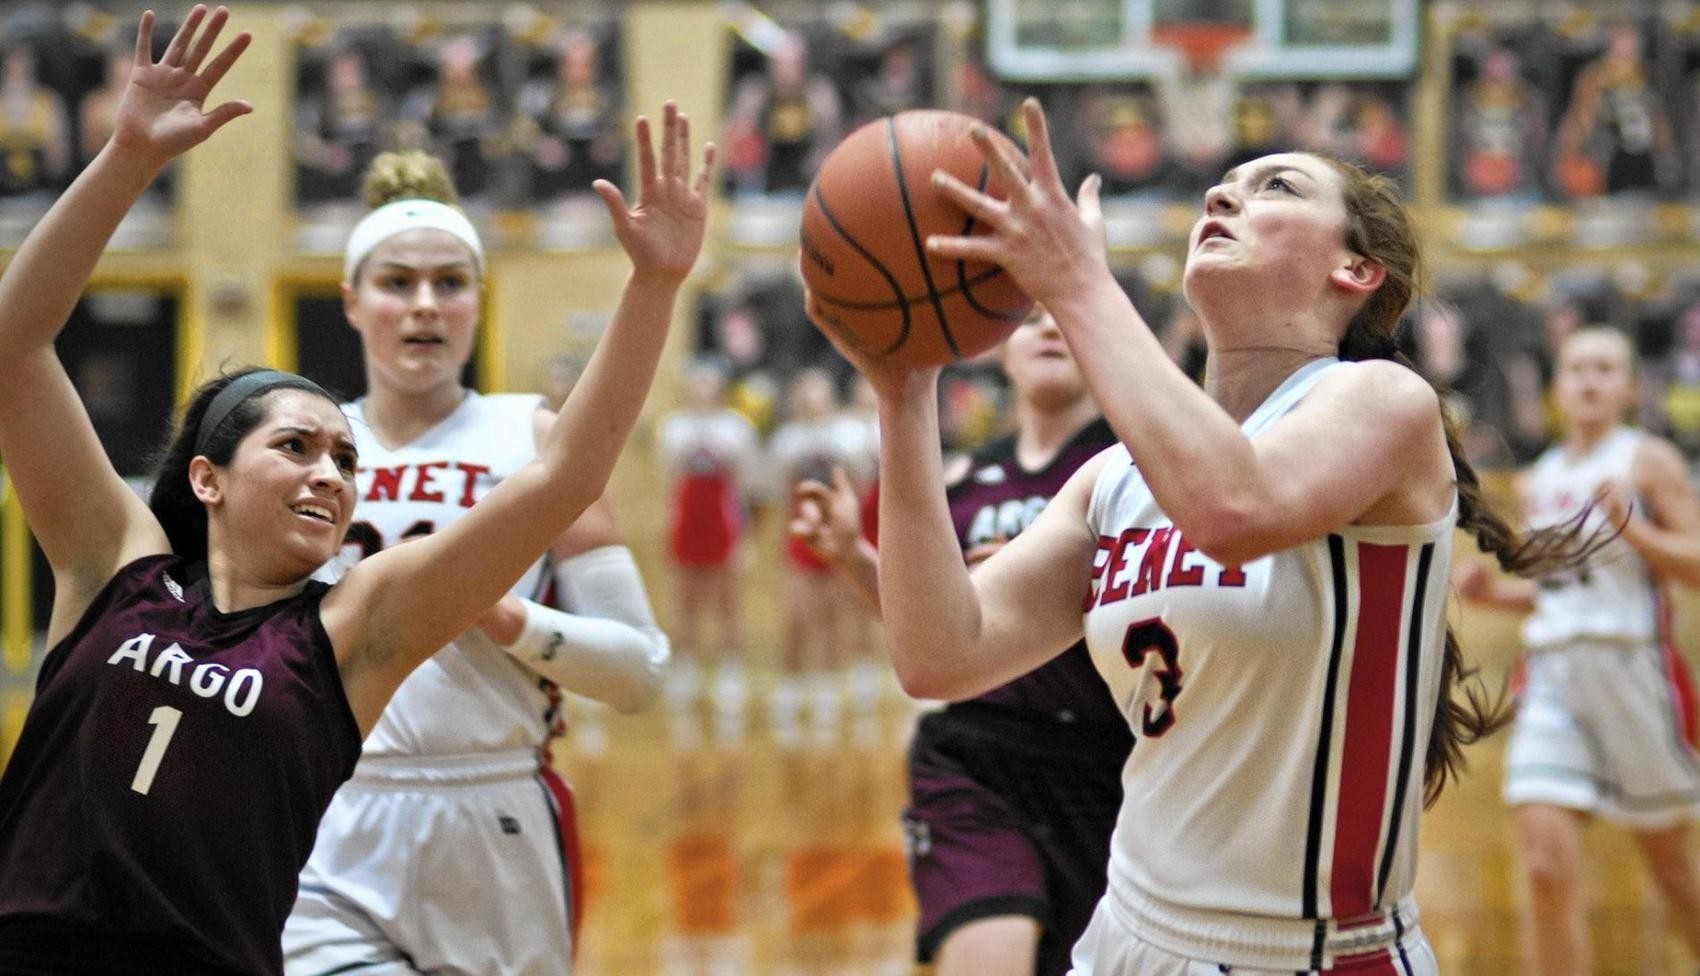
1614	597
702	442
1281	712
809	449
469	697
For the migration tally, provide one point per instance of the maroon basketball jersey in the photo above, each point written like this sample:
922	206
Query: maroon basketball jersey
166	788
998	498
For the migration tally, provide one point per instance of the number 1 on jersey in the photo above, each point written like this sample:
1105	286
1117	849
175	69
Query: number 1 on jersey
164	720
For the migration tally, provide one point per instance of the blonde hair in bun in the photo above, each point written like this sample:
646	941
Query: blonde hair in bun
411	174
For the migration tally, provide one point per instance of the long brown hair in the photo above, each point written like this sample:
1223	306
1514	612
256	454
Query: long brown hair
1379	228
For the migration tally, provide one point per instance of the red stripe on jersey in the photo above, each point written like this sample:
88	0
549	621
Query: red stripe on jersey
1378	964
1367	750
566	821
1681	692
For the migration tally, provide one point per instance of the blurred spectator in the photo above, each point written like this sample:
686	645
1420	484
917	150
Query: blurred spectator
1614	137
461	117
1122	133
900	83
1499	131
338	130
1681	399
707	455
782	123
35	146
1357	123
572	125
1265	119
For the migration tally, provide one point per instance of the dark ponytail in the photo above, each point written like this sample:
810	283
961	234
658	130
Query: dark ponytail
1379	228
172	500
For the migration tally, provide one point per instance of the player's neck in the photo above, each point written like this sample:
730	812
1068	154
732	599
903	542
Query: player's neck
1241	378
1581	439
1040	433
398	418
233	589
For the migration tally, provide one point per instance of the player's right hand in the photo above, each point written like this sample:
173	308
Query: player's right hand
829	517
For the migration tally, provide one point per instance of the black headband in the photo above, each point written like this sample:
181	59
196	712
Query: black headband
239	390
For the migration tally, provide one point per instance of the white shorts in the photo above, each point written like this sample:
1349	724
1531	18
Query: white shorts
468	866
1108	947
1606	729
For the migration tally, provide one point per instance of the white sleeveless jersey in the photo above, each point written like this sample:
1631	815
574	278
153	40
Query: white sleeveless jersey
703	442
1614	597
1281	712
469	697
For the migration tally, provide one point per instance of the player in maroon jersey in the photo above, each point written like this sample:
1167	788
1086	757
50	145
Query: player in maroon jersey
1013	793
202	698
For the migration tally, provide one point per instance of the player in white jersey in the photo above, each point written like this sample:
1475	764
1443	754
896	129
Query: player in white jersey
1605	720
452	847
1261	566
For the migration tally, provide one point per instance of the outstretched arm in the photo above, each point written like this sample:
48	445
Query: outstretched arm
87	521
1236	500
396	608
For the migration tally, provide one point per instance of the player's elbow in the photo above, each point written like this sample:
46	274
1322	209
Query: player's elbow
1228	535
925	674
648	678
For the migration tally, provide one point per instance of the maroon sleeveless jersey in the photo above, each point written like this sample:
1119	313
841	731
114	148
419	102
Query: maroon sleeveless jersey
998	498
166	788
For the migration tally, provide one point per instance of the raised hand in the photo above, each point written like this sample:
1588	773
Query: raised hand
662	231
1049	244
160	113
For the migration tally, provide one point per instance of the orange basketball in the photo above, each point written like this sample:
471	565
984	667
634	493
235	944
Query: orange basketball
865	228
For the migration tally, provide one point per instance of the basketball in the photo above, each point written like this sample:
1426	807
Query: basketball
866	221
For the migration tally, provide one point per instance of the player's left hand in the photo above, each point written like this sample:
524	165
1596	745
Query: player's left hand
829	517
662	231
1052	246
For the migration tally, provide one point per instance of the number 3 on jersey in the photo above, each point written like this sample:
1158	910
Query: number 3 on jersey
1144	638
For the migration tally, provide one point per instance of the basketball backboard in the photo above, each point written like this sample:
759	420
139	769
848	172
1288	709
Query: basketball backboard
1109	40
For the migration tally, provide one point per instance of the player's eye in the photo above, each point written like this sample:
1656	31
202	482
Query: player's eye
1278	183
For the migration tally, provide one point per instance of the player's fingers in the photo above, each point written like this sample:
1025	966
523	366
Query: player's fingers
180	41
1001	156
703	175
977	248
204	43
841	479
1039	154
144	39
614	200
1088	201
216	119
220	65
978	205
669	140
646	153
681	170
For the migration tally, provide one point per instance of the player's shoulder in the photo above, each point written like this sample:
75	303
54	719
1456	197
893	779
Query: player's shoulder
1658	456
1380	391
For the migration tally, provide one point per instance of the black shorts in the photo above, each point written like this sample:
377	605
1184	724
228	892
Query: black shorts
1010	815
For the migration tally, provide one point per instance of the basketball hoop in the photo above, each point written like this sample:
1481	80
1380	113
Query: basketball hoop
1202	43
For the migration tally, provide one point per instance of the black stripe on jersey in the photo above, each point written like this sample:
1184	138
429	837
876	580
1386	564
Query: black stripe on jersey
1399	933
1324	741
915	236
555	816
1408	744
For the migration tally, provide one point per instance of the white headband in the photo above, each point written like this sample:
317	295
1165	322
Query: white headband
398	215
